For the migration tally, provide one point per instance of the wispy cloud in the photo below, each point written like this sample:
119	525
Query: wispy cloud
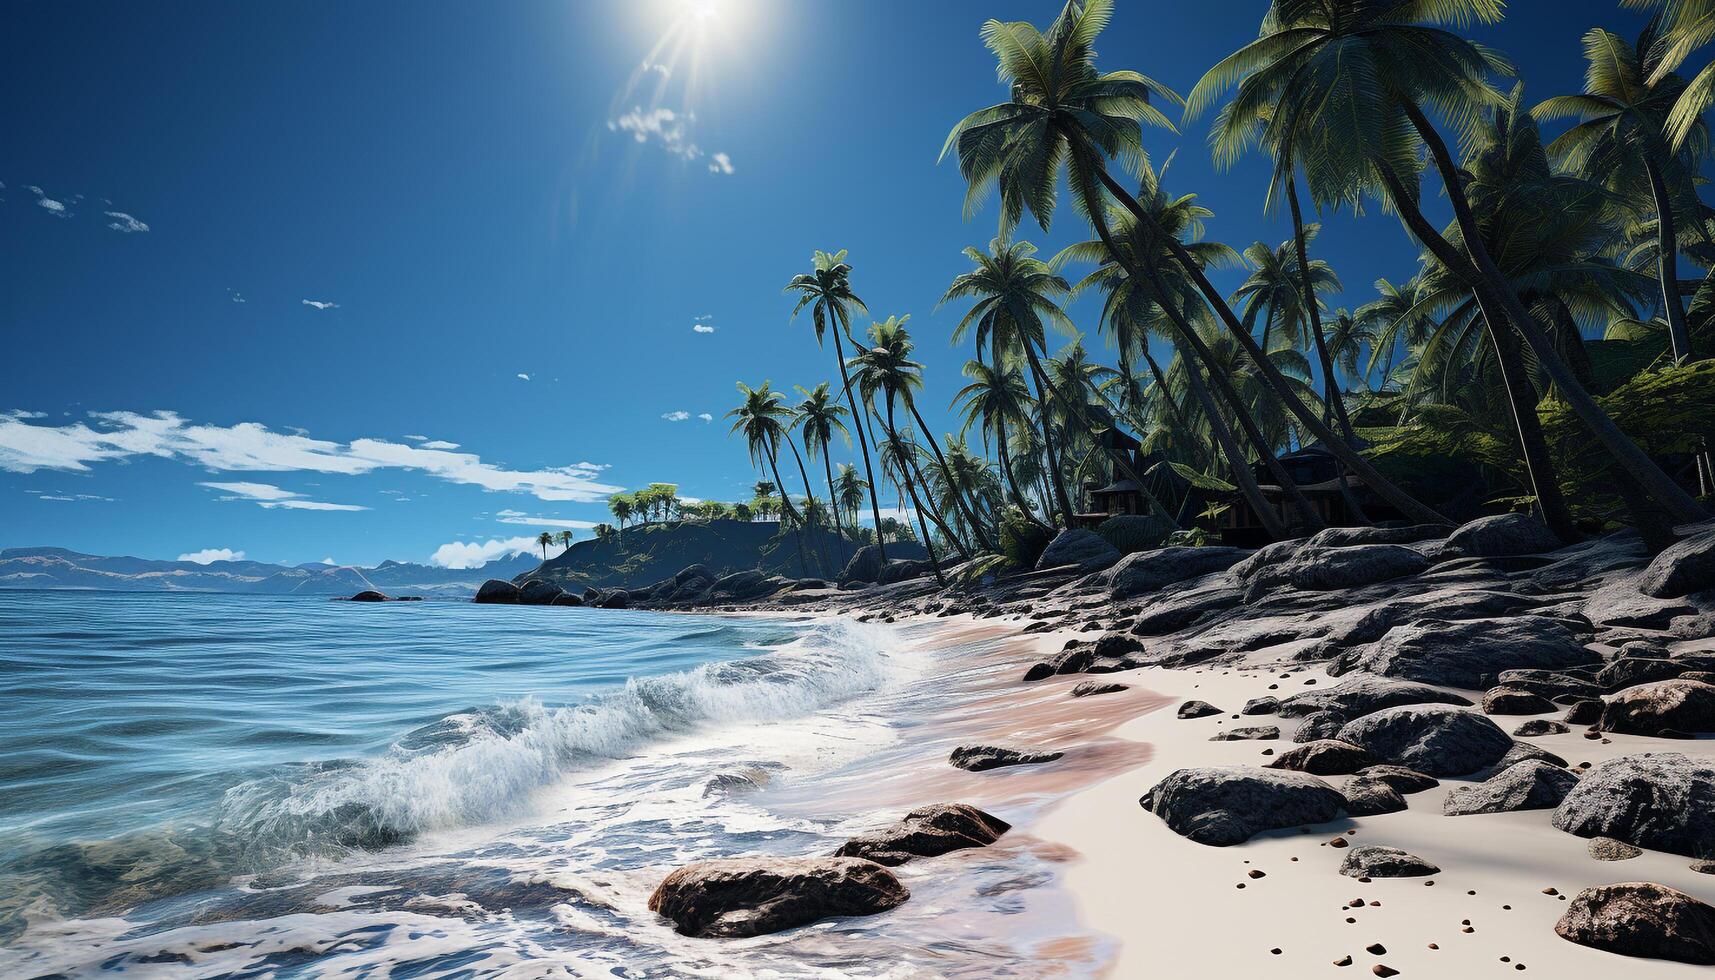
126	224
71	497
207	555
676	416
474	554
657	68
250	446
321	304
439	444
702	328
705	416
669	130
519	517
56	208
273	497
523	377
720	163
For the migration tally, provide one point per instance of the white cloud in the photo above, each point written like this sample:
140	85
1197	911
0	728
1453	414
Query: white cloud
237	297
207	555
706	417
703	328
676	416
439	444
519	517
54	207
249	446
273	497
657	68
123	222
418	438
671	131
523	377
472	554
720	163
321	304
329	561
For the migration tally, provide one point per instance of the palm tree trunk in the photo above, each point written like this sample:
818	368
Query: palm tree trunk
947	472
928	542
809	506
1666	264
1341	449
1681	505
863	444
1242	474
788	511
907	476
1060	498
834	506
1521	400
1331	394
1005	455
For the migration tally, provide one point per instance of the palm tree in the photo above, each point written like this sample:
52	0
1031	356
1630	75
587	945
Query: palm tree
898	463
1064	113
1684	26
1347	80
545	539
565	539
995	401
620	505
827	290
1285	293
850	489
1392	318
818	418
758	418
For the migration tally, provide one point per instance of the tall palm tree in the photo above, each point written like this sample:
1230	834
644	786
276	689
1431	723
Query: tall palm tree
898	463
565	539
850	489
827	290
817	418
994	402
1392	318
545	539
760	418
1348	80
1284	289
1685	26
621	506
1065	114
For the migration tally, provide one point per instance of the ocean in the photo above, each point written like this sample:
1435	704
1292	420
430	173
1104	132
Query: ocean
242	786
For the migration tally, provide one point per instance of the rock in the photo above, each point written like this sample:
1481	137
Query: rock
865	566
369	595
1135	533
1366	797
1197	709
1375	861
1502	535
1318	569
538	593
754	896
1515	701
1265	705
1524	751
738	586
1220	807
978	758
1678	706
1468	653
1324	757
1528	785
1322	724
1631	671
1265	558
497	591
1406	781
1573	683
1177	610
1540	726
900	569
926	832
1089	689
1663	801
1150	571
1637	918
1432	739
1682	568
1609	849
1363	695
567	599
614	599
1344	537
1084	549
1259	732
1620	605
1584	713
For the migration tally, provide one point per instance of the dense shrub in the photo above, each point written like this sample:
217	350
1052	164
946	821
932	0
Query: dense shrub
1021	539
1132	533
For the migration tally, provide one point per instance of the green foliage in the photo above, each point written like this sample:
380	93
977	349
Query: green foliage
1021	539
1191	537
1131	533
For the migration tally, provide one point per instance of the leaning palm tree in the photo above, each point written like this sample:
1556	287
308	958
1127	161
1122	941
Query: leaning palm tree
1348	80
817	418
760	418
1286	295
899	464
994	402
565	539
1065	114
827	290
545	539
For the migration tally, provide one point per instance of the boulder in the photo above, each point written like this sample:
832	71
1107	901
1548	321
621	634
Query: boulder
1075	546
1538	727
1577	683
1432	739
1265	705
1319	569
1176	610
1522	751
977	758
693	572
1515	701
753	896
1682	568
1362	695
538	593
1609	849
1376	861
1664	801
1344	537
1501	536
1366	797
901	569
1135	533
1467	653
1324	757
1322	724
1584	712
1529	785
1151	571
1678	707
864	567
1221	807
369	595
926	832
1089	689
1639	918
1406	781
1257	732
614	599
1631	671
497	591
1197	709
1265	558
1620	605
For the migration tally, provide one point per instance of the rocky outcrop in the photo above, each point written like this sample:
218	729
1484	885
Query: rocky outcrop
1086	550
1344	537
1639	918
1515	701
1197	709
1324	757
1676	707
754	896
1376	861
497	591
1501	536
1253	732
1664	801
1320	569
1529	785
1406	781
1322	724
1362	695
901	569
1469	653
1631	671
1090	689
978	758
926	832
538	593
1432	739
1221	807
369	595
864	567
1682	568
1151	571
1367	797
613	599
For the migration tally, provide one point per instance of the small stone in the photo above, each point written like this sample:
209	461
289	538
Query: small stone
1376	949
1383	970
1275	951
1609	849
1254	873
1337	842
1551	890
1343	961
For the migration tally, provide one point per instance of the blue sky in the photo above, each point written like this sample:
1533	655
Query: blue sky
410	278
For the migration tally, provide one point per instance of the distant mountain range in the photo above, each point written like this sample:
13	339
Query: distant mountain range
58	568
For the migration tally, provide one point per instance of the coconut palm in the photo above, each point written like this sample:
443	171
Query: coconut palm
817	418
827	291
620	506
1392	318
761	419
899	463
1684	26
850	489
1285	294
995	401
1348	80
545	539
565	539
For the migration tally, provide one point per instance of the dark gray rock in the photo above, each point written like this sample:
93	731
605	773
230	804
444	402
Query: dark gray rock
1260	732
369	595
1344	537
1265	705
1584	713
1682	568
754	896
1265	558
1609	849
1432	739
1406	781
1322	724
978	758
538	593
1197	709
1503	535
1469	653
1515	701
614	599
1375	861
1525	751
1178	610
926	832
1529	785
1639	918
1150	571
1221	807
1085	549
496	591
1676	707
1366	797
1362	695
1630	671
901	569
1574	682
1538	727
864	567
1620	605
1089	689
1664	801
1324	757
1320	569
